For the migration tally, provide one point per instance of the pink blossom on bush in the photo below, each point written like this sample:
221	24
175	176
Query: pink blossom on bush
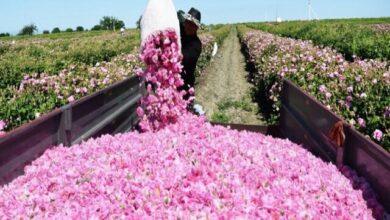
322	89
3	125
378	134
328	95
71	99
362	122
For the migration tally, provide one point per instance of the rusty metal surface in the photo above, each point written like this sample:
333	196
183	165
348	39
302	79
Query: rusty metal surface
21	146
306	121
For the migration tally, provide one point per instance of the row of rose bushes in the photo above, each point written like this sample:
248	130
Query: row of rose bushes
39	93
358	91
188	170
360	37
208	39
51	56
38	75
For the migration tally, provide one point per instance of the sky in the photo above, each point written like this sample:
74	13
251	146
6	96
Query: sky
47	14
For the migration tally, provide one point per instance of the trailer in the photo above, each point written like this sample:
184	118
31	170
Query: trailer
303	120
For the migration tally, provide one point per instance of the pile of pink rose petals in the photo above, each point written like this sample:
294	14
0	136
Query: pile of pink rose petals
188	170
163	104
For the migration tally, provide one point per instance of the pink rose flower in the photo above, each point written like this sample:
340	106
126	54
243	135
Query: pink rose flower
71	99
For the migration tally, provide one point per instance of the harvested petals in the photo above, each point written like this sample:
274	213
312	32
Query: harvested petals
188	170
163	103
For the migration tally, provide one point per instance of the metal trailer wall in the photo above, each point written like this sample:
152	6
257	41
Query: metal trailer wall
109	111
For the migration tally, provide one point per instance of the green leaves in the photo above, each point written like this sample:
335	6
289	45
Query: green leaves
49	60
350	37
24	108
358	91
51	56
220	117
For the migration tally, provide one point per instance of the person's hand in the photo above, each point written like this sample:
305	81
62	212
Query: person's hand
180	16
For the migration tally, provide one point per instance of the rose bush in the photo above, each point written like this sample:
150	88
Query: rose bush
208	41
41	93
53	53
367	38
40	73
208	38
358	91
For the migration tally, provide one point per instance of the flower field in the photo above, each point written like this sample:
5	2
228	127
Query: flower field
41	93
41	74
365	38
358	91
42	55
37	85
188	170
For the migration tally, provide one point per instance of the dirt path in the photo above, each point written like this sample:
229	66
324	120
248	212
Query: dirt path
223	89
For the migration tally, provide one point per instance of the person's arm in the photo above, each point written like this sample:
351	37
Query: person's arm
180	16
191	55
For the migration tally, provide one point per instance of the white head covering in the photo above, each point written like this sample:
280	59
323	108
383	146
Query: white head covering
159	15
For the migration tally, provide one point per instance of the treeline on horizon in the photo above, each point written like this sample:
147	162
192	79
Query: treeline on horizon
106	23
112	23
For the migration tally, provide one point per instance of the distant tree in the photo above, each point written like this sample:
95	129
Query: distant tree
96	28
69	30
4	35
28	30
111	23
56	30
138	23
79	28
46	32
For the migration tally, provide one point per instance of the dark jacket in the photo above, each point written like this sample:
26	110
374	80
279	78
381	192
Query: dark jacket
191	50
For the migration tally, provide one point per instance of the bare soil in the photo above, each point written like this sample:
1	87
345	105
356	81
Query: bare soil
223	89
